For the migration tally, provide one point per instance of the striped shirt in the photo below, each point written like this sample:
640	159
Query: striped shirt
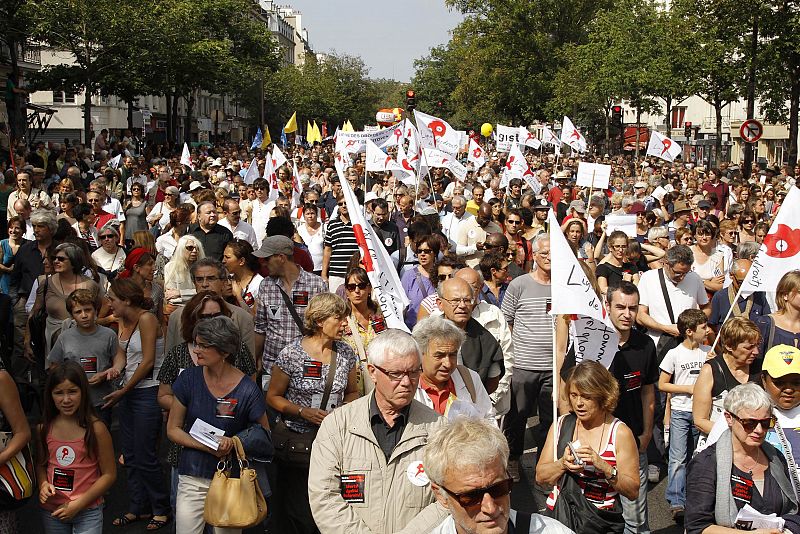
342	241
526	307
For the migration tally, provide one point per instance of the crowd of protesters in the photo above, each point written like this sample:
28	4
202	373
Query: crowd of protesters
147	297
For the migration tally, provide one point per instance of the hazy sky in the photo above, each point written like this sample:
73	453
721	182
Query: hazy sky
387	35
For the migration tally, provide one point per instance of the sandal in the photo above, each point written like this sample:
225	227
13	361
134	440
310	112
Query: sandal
128	518
156	524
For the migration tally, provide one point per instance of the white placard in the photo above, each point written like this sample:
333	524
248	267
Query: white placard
594	341
506	136
626	223
594	175
206	433
658	193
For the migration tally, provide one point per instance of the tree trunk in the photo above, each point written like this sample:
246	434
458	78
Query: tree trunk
187	134
794	104
668	100
174	137
608	130
718	143
130	115
87	116
638	122
170	126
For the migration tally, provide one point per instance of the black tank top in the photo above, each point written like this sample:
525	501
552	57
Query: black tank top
724	379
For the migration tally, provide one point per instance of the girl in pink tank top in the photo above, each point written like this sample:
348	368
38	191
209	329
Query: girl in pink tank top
76	454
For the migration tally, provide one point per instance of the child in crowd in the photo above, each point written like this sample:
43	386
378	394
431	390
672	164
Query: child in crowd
76	455
679	371
91	346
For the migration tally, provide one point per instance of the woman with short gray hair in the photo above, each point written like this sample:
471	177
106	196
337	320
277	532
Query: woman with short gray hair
219	394
739	468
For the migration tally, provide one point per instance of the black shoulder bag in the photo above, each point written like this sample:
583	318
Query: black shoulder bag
37	325
666	342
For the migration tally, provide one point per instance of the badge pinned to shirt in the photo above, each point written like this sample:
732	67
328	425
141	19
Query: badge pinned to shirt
300	298
274	311
312	370
633	380
378	324
226	408
742	488
353	488
63	479
89	364
416	474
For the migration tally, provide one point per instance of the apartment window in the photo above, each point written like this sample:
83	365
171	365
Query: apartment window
678	115
58	97
69	97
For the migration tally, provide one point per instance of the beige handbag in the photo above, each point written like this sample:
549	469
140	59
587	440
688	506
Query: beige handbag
235	502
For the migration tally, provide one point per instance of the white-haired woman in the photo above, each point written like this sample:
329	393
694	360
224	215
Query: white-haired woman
178	284
300	379
739	469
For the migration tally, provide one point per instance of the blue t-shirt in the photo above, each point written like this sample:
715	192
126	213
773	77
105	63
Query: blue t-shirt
240	408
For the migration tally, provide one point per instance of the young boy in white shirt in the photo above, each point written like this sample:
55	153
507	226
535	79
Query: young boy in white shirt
679	371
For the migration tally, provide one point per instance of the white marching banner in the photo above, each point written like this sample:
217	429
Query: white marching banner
186	157
408	175
271	175
380	161
437	158
505	137
527	138
278	158
594	334
382	275
252	172
354	142
663	147
549	138
475	155
437	133
593	175
780	251
571	136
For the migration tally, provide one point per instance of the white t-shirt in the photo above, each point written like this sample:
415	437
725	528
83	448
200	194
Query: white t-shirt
684	365
688	294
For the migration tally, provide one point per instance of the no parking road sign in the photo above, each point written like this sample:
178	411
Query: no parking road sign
751	131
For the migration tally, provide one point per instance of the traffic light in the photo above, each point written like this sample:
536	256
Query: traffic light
411	101
616	116
687	130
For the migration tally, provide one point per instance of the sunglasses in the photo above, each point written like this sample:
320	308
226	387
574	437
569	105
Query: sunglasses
169	194
515	223
748	221
60	259
443	277
424	251
750	424
108	236
474	498
361	285
191	248
340	204
260	188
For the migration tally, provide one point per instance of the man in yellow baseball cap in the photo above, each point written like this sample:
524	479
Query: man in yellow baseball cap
781	379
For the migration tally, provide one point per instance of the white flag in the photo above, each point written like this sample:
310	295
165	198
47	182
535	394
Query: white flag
252	172
663	147
475	155
517	167
297	187
549	138
506	136
186	158
780	251
436	133
278	159
527	138
114	163
395	136
378	160
571	136
382	275
271	175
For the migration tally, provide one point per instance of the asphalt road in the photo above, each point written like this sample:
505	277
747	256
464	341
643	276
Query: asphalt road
521	499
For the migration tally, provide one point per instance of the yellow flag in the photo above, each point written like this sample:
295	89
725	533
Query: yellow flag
291	126
317	133
267	139
347	127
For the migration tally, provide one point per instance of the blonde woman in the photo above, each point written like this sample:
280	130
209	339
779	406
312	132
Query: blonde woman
178	285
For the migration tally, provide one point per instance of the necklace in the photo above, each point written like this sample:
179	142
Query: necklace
755	462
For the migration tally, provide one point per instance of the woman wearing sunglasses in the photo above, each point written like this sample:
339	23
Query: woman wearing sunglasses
363	324
739	469
417	281
178	284
597	455
747	227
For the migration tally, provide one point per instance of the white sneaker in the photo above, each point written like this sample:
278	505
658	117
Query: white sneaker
653	473
513	470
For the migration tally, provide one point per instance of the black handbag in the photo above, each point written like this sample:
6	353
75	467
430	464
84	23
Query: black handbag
37	326
572	508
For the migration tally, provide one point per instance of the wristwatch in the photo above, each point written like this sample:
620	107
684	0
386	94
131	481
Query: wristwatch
613	476
300	412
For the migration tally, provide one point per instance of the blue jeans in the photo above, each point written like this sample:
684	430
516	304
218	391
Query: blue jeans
683	437
88	521
140	430
635	512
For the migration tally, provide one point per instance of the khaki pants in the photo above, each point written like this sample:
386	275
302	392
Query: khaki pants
189	505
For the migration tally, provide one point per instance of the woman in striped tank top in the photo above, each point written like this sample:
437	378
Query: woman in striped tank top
607	463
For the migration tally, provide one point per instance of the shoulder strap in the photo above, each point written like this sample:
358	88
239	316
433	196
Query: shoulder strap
329	380
771	337
290	305
467	378
523	523
789	455
565	433
666	295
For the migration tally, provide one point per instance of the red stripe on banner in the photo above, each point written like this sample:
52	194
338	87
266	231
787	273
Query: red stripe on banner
366	258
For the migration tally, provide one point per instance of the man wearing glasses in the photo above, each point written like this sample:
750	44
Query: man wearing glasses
467	463
367	472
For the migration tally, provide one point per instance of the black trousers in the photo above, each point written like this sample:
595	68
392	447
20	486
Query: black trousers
531	393
292	513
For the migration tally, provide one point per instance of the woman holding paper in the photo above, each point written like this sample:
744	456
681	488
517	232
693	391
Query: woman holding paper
708	261
213	402
739	469
311	377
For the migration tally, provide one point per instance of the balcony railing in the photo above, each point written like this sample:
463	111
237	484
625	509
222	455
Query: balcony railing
26	53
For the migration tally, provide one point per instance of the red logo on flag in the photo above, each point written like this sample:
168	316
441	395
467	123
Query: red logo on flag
667	145
509	162
575	134
784	243
366	259
438	129
477	153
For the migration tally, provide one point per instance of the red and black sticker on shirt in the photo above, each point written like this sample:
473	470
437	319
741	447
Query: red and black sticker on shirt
63	479
633	380
249	299
742	488
89	364
300	298
378	324
312	370
226	408
353	488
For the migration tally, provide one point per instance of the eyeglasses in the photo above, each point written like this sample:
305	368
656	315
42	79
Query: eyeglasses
515	223
750	424
169	194
748	221
397	376
191	248
443	277
260	188
424	251
458	302
340	204
202	279
108	236
473	499
60	259
202	346
618	247
352	287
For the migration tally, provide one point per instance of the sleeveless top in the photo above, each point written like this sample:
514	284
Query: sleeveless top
134	356
70	470
594	485
723	381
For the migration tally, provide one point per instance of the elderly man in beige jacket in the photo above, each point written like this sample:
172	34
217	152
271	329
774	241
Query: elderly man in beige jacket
367	474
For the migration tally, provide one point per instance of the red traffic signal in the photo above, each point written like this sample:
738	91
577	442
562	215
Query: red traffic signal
616	109
410	93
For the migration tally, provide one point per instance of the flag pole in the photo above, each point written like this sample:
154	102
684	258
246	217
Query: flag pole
555	392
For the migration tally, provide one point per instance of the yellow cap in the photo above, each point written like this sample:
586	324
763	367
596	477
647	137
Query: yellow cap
782	360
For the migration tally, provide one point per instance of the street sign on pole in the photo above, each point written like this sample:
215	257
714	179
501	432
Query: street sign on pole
751	131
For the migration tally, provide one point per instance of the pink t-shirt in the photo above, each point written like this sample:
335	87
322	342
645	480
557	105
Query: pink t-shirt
70	470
